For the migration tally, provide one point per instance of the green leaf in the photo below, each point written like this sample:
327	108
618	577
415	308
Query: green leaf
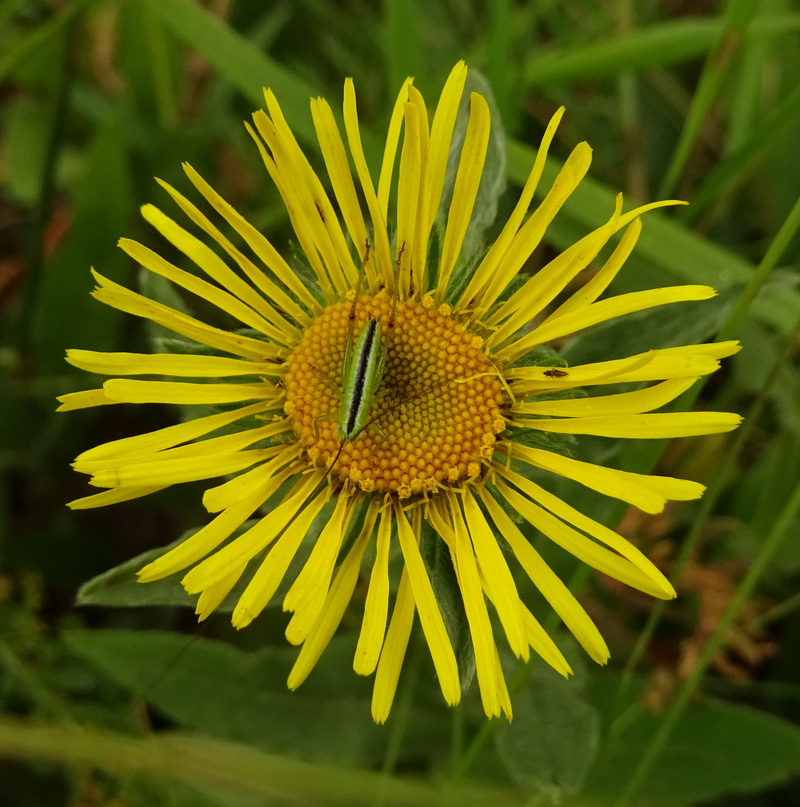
553	740
217	688
239	61
716	750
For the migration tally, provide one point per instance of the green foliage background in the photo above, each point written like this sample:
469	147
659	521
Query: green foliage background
109	705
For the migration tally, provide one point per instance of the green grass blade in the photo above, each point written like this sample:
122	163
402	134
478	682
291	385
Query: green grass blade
737	18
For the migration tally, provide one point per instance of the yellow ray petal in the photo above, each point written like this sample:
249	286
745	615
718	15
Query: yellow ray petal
306	596
531	233
335	156
127	390
177	471
499	583
541	642
548	583
623	403
408	196
224	495
113	496
480	627
199	544
595	555
197	366
444	121
169	436
264	583
213	596
394	652
130	302
603	311
376	607
390	149
385	264
264	251
257	538
499	248
206	259
596	477
83	400
465	190
543	287
246	293
649	426
444	658
339	596
565	512
590	291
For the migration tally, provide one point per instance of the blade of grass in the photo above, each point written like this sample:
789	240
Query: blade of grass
238	60
498	69
655	46
736	20
210	765
163	80
738	165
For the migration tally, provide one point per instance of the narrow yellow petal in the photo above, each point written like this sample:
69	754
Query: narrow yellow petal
623	403
177	471
153	262
246	293
565	512
604	560
493	276
376	607
130	302
444	121
339	596
543	287
541	642
169	436
667	486
596	477
590	291
335	156
264	583
480	627
418	247
306	596
213	596
606	310
199	544
317	204
498	580
408	196
250	543
444	658
112	496
83	400
465	190
394	652
126	390
549	583
224	495
649	426
390	148
197	366
264	251
498	250
385	264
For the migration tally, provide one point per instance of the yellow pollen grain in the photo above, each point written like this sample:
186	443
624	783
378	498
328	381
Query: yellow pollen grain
435	416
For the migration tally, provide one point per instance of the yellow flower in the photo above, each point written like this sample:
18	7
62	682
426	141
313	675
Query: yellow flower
440	458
